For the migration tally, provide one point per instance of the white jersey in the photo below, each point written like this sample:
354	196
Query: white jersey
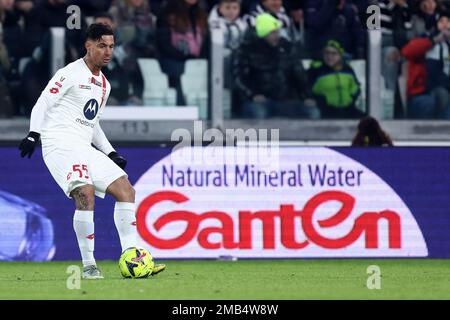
68	110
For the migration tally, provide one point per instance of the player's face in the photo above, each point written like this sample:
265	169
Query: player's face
100	52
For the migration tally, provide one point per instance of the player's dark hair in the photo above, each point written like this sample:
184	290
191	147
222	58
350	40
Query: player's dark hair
96	30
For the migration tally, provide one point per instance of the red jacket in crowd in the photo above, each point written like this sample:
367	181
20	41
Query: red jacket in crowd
415	52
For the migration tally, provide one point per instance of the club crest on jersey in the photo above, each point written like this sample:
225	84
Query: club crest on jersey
90	109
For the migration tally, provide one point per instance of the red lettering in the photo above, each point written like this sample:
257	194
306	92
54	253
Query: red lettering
365	224
226	231
189	217
245	228
369	221
288	215
311	233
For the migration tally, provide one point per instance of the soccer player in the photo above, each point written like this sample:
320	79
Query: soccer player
66	119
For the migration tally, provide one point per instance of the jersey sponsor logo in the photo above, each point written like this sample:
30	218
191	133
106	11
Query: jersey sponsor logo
96	82
62	79
90	109
58	84
85	123
54	90
82	86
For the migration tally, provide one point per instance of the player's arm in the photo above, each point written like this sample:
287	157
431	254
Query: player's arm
53	92
100	141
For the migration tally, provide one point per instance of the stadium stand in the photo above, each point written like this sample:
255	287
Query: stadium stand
194	82
176	68
156	84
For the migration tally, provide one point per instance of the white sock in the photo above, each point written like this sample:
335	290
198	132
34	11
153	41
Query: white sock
125	220
83	224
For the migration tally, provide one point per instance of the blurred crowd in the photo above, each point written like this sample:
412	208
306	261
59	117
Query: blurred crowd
265	45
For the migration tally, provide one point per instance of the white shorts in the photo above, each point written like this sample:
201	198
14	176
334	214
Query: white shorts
80	166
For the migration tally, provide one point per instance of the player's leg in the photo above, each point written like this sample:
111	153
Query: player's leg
83	224
125	215
69	168
124	211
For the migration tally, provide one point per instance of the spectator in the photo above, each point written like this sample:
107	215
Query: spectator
424	21
92	8
156	6
295	9
249	6
6	105
122	72
334	19
269	74
49	13
428	72
31	33
396	31
395	22
334	84
12	31
182	31
370	134
276	9
361	7
21	34
52	13
5	63
226	16
135	26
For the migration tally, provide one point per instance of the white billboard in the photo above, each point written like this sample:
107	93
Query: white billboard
311	202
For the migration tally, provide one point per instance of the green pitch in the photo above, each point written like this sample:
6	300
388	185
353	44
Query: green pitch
263	279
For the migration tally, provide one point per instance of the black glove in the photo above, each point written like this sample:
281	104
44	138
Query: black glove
118	159
28	144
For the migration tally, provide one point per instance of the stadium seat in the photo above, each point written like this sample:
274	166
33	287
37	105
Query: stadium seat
306	63
156	85
194	82
387	101
227	103
23	63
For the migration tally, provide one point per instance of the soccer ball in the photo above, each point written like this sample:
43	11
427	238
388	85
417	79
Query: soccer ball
136	263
